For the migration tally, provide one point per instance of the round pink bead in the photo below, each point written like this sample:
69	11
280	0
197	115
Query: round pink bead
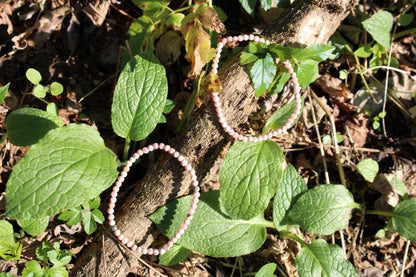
117	233
150	251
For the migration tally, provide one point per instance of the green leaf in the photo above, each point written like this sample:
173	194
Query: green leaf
289	190
405	19
375	61
279	83
248	6
28	125
89	223
57	271
32	267
404	219
283	52
262	74
364	51
33	76
3	91
6	274
98	216
169	105
68	166
282	3
307	72
250	175
175	255
174	20
52	109
266	4
34	226
369	169
72	217
322	259
56	88
140	39
39	91
339	43
211	232
281	116
317	52
152	8
379	26
399	187
247	57
323	209
267	270
139	97
6	235
94	203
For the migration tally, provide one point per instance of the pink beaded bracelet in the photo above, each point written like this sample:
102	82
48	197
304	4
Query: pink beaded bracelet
119	182
217	102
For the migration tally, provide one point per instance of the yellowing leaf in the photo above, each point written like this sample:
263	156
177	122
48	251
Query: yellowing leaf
209	19
197	46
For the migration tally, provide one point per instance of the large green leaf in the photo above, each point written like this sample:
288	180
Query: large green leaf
317	52
283	52
404	219
369	169
281	116
211	232
323	209
262	74
379	26
266	4
322	259
3	91
67	167
307	72
139	97
175	255
290	188
6	235
26	126
250	175
34	226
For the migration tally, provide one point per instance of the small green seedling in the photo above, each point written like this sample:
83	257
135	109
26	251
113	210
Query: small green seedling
88	213
39	90
51	261
9	248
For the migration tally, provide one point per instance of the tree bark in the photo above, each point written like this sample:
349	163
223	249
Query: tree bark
306	22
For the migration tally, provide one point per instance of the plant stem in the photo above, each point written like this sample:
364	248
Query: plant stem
404	33
191	103
267	224
288	235
357	61
376	212
404	258
126	149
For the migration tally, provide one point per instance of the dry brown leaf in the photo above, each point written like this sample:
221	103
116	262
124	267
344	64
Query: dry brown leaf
198	47
209	19
334	87
97	11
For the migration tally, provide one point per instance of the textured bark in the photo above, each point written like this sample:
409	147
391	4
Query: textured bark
202	140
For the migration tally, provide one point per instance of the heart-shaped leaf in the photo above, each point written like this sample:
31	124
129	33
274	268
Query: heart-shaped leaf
67	167
250	175
211	232
26	126
369	169
379	26
322	259
290	188
139	97
323	209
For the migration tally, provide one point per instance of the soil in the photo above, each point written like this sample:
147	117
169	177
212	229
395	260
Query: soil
62	42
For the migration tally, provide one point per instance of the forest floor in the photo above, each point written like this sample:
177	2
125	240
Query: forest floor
61	41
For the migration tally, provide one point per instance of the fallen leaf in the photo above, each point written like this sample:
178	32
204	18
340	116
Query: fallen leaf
334	87
97	11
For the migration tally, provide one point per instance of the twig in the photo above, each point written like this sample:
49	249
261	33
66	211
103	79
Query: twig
390	68
363	149
354	239
404	258
334	135
234	267
97	87
318	134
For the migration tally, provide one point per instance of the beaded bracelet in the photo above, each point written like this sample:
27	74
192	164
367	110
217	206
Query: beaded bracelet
119	182
217	102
